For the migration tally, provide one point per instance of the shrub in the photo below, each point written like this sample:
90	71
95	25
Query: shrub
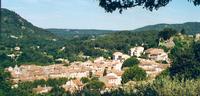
130	62
134	73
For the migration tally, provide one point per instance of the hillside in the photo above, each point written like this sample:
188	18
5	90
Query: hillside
16	32
14	26
190	27
68	33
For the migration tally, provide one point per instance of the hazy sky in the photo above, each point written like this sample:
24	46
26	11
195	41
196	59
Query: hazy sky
86	14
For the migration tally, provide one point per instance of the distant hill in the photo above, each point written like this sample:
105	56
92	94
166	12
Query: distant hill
190	27
67	33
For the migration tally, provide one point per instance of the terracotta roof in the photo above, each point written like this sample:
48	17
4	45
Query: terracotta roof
154	51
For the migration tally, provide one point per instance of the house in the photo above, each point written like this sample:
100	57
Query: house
151	67
157	54
12	56
120	56
136	51
17	48
124	57
73	85
111	80
117	56
40	90
117	66
79	73
197	37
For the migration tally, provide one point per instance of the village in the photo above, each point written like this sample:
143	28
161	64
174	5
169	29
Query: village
96	68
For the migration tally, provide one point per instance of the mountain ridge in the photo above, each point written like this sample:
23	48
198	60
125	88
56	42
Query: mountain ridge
190	27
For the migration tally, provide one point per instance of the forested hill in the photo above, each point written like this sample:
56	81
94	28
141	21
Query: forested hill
14	26
67	33
190	27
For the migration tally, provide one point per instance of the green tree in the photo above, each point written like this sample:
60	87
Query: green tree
130	62
112	5
5	84
185	62
105	72
167	33
134	73
85	79
95	85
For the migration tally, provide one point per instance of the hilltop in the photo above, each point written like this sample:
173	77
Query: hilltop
189	27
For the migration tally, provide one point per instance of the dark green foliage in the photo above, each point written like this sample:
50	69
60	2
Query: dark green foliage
197	50
134	73
105	72
167	33
80	33
25	88
124	40
130	62
5	84
112	5
189	27
95	85
186	62
88	92
85	79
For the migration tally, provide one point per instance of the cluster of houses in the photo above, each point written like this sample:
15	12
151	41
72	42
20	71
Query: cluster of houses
96	68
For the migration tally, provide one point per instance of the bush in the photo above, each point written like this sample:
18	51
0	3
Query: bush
170	87
84	80
134	73
95	85
130	62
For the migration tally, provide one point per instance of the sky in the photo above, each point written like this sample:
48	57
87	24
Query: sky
86	14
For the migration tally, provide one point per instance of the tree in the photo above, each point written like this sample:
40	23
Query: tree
95	85
113	5
167	33
130	62
134	73
5	84
186	62
84	80
105	72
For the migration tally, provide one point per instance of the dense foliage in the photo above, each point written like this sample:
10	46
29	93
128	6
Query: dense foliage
79	33
5	84
112	5
186	63
189	27
134	73
160	87
167	33
130	62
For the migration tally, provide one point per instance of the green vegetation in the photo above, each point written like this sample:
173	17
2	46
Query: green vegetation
80	33
167	33
134	73
120	5
85	80
130	62
186	62
189	27
5	84
41	47
95	85
160	87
